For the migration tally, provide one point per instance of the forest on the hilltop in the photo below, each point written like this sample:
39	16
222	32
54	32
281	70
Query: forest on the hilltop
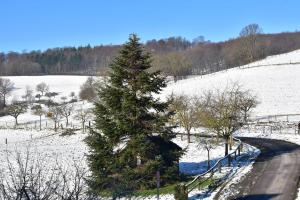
174	56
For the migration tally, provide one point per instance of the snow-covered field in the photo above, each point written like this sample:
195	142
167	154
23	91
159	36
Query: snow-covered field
276	87
63	85
290	57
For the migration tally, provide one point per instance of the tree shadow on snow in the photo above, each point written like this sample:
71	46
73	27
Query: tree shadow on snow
257	197
194	168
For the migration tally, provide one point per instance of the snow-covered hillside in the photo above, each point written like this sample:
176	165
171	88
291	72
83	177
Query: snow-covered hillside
63	85
287	58
276	86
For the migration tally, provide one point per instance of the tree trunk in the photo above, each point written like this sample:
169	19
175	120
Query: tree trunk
230	142
189	136
40	122
55	128
67	123
208	160
226	145
4	101
83	127
16	121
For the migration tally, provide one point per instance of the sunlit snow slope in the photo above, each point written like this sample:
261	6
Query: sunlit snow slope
276	83
275	80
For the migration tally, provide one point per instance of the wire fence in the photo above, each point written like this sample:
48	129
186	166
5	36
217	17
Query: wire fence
46	125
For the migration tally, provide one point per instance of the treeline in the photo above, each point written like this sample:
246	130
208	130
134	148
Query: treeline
174	56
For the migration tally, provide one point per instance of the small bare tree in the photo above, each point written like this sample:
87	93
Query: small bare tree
64	98
87	90
207	144
17	109
248	37
66	111
247	102
55	115
6	87
28	96
38	96
185	109
42	88
84	115
50	95
222	113
72	95
38	110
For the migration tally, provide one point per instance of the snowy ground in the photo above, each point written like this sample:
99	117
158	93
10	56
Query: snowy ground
69	149
274	85
51	146
63	85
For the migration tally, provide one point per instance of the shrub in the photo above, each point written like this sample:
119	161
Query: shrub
180	192
67	132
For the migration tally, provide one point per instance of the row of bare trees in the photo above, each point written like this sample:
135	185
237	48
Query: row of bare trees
29	176
55	111
175	56
222	112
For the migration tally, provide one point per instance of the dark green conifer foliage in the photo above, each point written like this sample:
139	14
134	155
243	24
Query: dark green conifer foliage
131	125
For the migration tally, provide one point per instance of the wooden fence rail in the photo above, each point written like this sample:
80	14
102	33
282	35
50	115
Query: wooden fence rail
201	178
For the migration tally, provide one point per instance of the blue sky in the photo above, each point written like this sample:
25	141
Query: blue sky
41	24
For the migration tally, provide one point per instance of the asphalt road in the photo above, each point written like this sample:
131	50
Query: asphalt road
275	174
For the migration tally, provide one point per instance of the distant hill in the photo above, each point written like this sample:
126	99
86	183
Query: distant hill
275	81
174	56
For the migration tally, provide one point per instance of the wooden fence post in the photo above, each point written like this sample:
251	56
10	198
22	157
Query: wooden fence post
241	147
280	129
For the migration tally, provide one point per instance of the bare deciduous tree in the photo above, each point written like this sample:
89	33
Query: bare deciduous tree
207	144
72	95
248	102
185	109
64	98
249	40
42	88
31	178
87	90
66	111
55	115
38	110
6	87
222	112
16	109
28	96
84	115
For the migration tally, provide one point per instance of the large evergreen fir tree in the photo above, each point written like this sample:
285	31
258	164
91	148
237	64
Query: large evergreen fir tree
132	139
